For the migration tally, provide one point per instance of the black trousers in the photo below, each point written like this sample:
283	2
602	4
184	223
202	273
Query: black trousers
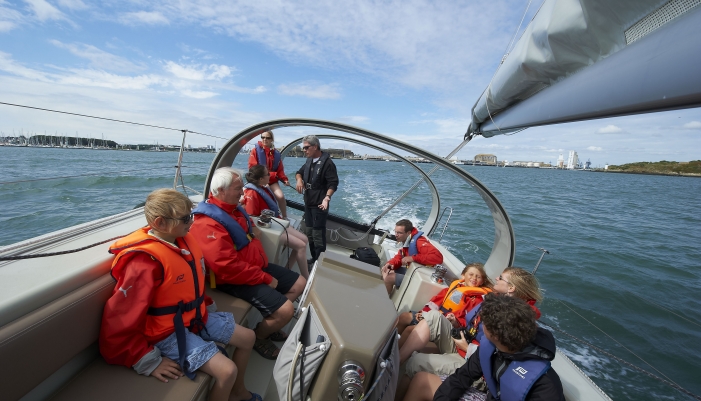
315	222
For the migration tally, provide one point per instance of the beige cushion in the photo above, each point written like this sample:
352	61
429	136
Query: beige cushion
39	343
104	382
228	303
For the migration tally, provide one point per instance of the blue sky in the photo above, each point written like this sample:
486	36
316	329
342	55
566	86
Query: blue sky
410	69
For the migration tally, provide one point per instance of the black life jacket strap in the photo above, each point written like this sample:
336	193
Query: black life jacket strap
180	307
180	336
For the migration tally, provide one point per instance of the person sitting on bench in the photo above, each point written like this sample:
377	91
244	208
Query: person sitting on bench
158	320
416	248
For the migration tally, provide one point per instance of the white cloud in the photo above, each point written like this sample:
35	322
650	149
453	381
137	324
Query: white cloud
199	94
310	89
144	17
193	81
693	125
595	148
98	58
73	4
197	72
9	18
609	129
417	43
9	65
45	11
355	119
104	79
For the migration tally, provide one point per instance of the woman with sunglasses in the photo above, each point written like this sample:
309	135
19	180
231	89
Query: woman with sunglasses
513	282
264	153
257	196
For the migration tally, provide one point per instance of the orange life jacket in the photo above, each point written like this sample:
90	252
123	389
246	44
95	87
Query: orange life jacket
460	297
183	279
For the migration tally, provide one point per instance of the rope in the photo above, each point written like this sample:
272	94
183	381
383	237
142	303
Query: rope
111	119
616	341
338	234
43	255
623	361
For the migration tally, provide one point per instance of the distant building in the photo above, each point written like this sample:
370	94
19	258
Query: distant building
572	160
560	161
486	158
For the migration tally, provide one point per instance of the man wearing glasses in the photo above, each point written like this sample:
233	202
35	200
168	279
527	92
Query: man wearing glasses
416	248
238	261
318	180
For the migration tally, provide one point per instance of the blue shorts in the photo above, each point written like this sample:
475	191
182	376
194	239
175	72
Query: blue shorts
200	347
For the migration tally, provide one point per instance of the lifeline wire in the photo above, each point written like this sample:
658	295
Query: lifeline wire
623	361
111	119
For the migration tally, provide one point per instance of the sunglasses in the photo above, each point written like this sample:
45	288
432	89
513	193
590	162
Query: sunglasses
306	147
185	219
266	137
500	278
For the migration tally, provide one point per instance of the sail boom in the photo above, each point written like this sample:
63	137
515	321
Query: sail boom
655	73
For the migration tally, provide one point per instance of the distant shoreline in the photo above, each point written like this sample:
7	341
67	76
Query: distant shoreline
669	174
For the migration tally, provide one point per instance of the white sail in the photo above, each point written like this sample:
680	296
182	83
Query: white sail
586	59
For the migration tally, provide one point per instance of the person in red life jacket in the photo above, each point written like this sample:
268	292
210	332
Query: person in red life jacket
257	197
416	248
513	282
158	319
238	263
265	154
514	358
454	300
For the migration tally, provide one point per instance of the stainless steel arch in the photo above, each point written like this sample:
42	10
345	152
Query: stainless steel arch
432	220
504	249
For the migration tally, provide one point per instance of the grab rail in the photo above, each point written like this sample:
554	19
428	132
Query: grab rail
440	217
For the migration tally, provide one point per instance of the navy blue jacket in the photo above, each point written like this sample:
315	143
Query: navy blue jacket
547	388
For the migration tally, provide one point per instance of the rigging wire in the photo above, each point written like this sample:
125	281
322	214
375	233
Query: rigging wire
616	341
506	54
111	119
646	300
672	384
77	176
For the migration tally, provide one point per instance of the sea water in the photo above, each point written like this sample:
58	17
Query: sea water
623	271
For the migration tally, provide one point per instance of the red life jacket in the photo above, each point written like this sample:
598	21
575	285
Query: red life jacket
461	297
179	301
